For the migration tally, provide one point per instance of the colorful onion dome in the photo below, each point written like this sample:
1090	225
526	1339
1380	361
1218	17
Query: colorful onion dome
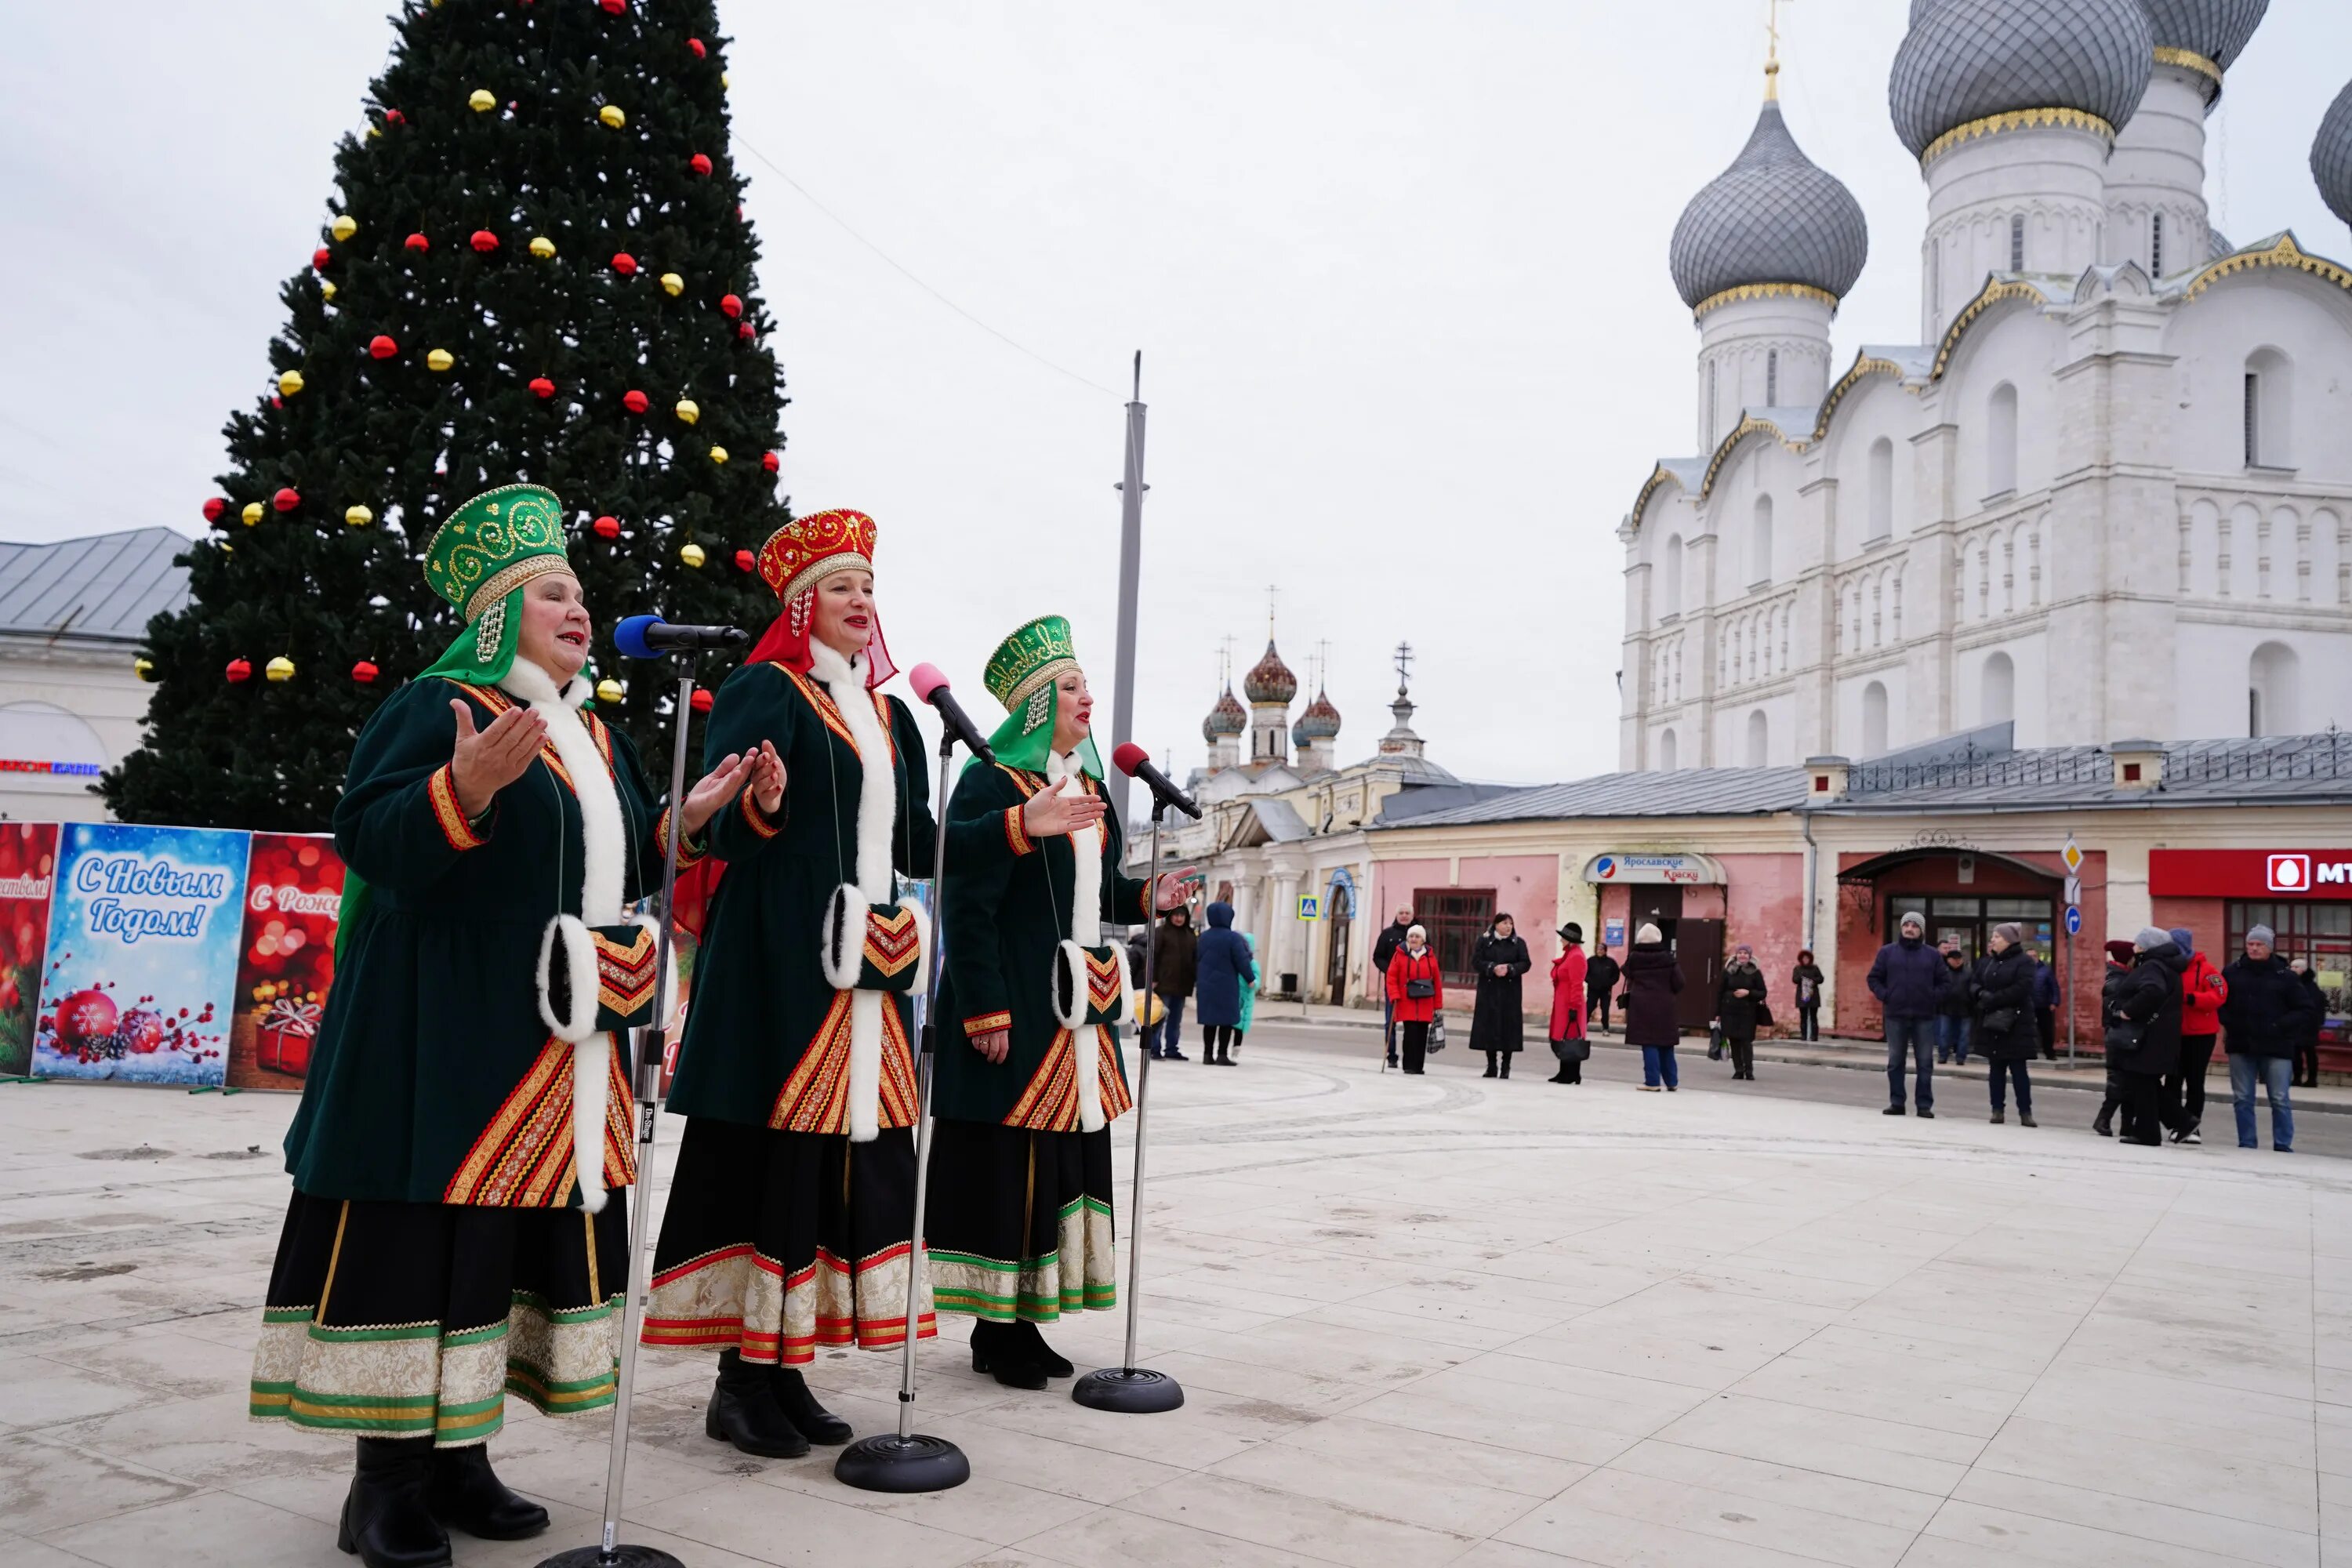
1269	680
1225	718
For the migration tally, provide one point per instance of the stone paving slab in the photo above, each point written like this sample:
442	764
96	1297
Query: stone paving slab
1419	1321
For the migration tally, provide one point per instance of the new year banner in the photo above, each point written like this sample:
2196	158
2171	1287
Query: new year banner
28	858
286	961
142	948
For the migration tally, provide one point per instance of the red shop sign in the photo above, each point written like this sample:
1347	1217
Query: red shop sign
2251	873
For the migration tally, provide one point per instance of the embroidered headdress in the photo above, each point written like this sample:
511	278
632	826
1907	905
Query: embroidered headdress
480	560
794	560
1021	674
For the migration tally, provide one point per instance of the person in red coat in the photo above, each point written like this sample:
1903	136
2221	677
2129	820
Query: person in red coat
1418	989
1567	1041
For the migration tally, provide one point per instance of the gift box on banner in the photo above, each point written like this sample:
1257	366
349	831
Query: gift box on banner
285	963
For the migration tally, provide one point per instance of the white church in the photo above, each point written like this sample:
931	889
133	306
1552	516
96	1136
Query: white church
2108	494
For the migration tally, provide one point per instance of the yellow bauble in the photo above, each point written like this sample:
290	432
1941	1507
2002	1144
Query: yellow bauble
279	669
326	291
291	383
481	100
344	226
688	410
691	554
143	668
718	454
611	115
542	247
672	284
252	513
439	358
722	79
373	131
609	690
358	516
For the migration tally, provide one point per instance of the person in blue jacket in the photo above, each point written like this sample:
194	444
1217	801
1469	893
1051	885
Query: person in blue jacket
1908	978
1249	1002
1222	967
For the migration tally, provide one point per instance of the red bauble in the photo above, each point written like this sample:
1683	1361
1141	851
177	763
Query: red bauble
84	1018
730	305
485	241
607	527
613	8
699	162
745	561
745	332
771	461
320	256
625	264
141	1031
541	387
287	500
238	671
364	673
215	510
394	117
699	702
381	347
634	401
418	243
696	44
277	402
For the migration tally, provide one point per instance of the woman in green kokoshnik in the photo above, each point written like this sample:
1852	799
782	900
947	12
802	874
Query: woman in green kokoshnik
450	1237
1019	1223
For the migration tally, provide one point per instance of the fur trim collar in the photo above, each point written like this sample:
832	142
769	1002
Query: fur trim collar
1066	773
873	881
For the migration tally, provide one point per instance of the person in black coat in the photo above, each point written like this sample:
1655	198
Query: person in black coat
1739	1008
2263	1021
1385	948
1601	977
1806	982
2006	1034
1174	968
1955	1009
2307	1047
2142	1010
1500	961
1653	979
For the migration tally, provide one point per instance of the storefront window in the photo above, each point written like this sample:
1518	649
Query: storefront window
2319	935
1968	921
1455	919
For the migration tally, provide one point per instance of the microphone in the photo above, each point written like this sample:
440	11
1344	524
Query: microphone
931	687
1136	764
650	636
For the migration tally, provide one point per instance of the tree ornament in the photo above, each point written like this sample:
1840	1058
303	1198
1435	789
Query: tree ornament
746	562
320	256
364	673
326	291
381	346
691	554
485	241
214	508
252	513
771	461
696	44
287	499
344	226
722	81
611	115
718	454
374	131
634	401
394	117
418	243
745	332
541	387
280	669
609	690
613	8
625	264
542	247
358	516
606	527
730	305
672	284
439	358
238	671
699	702
481	100
700	163
688	410
291	383
144	667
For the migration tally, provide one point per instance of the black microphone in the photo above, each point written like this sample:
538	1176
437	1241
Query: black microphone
1136	764
931	687
650	636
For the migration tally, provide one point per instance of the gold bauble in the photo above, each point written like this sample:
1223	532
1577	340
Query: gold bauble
718	454
542	247
252	513
688	410
609	690
722	80
279	669
691	554
611	115
326	291
344	226
291	383
144	668
481	100
672	284
439	358
374	131
358	516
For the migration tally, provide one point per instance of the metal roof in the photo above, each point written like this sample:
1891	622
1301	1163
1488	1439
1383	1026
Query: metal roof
1687	791
103	588
1967	60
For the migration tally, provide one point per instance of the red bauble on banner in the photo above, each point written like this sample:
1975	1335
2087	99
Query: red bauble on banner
607	527
541	387
699	162
700	701
364	673
771	461
634	401
625	264
85	1018
418	243
381	347
238	671
287	500
746	562
215	510
294	888
485	241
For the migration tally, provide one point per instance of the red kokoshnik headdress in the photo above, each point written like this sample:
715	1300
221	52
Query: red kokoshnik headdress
794	560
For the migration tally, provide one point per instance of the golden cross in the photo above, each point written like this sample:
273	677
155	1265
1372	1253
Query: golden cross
1772	48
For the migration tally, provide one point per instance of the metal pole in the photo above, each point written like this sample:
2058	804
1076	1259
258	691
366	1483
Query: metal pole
2070	1001
1130	576
1142	1106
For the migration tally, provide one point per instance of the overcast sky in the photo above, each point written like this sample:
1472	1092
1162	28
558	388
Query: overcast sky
1398	271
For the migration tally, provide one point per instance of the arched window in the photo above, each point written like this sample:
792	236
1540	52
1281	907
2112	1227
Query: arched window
1670	602
1936	280
1666	751
1771	378
1882	490
1999	703
2272	678
2017	242
2156	245
1759	736
2270	409
1712	367
1759	544
2000	441
1874	720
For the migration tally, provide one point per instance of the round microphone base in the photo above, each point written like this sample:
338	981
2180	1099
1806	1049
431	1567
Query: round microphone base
622	1556
1129	1391
890	1463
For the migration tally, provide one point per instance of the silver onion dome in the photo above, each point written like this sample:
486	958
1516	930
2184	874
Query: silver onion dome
1774	217
2216	30
1967	60
2331	157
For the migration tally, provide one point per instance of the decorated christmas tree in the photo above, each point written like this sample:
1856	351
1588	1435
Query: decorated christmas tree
534	269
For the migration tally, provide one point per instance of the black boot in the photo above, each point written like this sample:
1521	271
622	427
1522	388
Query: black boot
1490	1065
1561	1076
1506	1062
810	1419
1041	1353
998	1351
744	1412
464	1493
385	1523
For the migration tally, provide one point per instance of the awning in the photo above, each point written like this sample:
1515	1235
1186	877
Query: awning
1870	870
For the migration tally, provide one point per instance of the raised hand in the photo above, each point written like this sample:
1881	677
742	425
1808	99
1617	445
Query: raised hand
1051	812
713	791
767	778
1174	885
486	762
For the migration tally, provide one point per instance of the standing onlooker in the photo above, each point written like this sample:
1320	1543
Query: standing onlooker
1568	1039
1652	980
1601	977
1249	1002
2202	992
1416	987
1807	980
1223	969
2142	1009
2119	962
1385	948
2045	1006
1907	978
1500	960
1173	969
2263	1019
1739	1008
1954	1010
2307	1049
2005	1033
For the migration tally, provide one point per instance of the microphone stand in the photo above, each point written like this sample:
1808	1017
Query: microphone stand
1130	1389
645	1081
907	1460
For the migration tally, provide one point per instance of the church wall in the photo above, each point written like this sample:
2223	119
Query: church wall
1977	686
2216	667
2016	346
1875	484
2215	334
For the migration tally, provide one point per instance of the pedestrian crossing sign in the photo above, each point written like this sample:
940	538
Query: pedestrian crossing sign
1310	907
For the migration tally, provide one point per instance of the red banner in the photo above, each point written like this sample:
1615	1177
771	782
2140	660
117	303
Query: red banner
28	864
2251	873
294	886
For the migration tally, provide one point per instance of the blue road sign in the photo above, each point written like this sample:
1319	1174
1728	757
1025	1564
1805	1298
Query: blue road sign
2074	919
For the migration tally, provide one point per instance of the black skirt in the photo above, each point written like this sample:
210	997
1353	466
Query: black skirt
393	1320
1019	1222
774	1243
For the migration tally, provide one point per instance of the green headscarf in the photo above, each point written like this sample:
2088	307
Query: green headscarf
1021	675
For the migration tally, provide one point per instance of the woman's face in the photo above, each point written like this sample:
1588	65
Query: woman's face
845	613
1415	940
555	625
1074	709
1998	942
1503	926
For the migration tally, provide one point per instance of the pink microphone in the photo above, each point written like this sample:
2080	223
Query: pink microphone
930	686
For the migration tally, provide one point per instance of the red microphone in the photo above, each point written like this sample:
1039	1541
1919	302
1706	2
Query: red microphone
1136	764
930	686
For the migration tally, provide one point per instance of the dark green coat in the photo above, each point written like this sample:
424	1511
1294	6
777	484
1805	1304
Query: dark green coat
433	1022
1008	907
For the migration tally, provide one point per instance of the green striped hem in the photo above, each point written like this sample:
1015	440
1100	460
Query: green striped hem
994	1265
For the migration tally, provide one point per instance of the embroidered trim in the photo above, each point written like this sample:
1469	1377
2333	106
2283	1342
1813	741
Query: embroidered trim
1016	836
688	852
821	701
1050	1102
441	789
815	1097
986	1023
505	581
755	818
523	1157
499	701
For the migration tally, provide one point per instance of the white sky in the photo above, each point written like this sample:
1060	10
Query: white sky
1398	271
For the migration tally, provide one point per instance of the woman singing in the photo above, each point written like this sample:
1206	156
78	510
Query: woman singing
1020	1215
451	1236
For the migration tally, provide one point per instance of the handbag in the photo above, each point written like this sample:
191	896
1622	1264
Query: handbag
1715	1042
2124	1036
1999	1021
1420	990
1436	1036
1572	1050
1763	1016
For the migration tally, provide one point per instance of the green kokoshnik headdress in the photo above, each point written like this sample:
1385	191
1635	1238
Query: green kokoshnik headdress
1021	674
480	560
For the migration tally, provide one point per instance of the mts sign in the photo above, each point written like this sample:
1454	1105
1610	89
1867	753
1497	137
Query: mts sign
2299	872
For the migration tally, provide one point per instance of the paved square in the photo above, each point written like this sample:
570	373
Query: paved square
1505	1325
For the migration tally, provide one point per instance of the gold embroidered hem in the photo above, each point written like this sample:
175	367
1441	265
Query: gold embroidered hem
1050	1102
